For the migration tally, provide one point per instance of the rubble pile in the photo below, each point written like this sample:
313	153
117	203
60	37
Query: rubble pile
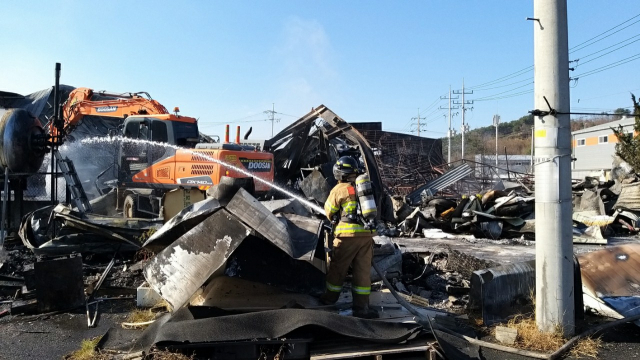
606	208
494	214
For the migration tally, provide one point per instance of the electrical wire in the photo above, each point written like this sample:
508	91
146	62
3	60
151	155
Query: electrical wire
586	43
607	53
504	78
504	92
508	96
580	46
434	103
501	86
601	96
607	67
230	122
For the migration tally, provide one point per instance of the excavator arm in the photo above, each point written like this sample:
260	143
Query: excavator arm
79	105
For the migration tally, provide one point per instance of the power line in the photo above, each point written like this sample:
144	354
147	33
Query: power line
434	103
509	96
607	67
504	78
228	122
504	92
601	50
604	37
607	53
601	96
597	36
501	86
575	48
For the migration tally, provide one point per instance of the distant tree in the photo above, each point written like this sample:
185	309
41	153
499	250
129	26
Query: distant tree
621	112
628	146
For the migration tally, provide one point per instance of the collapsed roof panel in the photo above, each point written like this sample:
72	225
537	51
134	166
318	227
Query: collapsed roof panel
309	142
178	271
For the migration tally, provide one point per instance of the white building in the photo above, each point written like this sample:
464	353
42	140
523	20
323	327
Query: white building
594	148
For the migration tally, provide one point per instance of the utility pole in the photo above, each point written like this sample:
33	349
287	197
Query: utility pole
465	127
273	113
450	132
532	136
496	122
418	123
554	244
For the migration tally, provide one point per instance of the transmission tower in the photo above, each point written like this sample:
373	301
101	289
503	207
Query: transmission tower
272	117
450	132
463	103
417	123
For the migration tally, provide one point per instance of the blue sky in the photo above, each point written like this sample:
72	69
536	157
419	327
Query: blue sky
227	62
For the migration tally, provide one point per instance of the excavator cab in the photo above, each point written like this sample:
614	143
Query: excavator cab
158	139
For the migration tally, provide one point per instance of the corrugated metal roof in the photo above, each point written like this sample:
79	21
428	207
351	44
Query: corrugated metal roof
479	157
447	179
625	121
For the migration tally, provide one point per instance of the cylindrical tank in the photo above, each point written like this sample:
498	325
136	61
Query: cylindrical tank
18	151
364	189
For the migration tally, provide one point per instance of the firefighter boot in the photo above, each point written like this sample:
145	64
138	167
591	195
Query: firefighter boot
365	312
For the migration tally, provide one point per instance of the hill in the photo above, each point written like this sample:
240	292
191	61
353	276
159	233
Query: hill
514	135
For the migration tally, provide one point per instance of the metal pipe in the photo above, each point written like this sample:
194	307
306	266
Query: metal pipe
400	299
463	124
56	124
554	246
238	134
449	131
532	147
4	207
226	134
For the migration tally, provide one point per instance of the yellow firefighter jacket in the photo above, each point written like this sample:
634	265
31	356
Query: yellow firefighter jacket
341	201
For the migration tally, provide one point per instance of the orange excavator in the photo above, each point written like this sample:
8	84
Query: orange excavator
161	151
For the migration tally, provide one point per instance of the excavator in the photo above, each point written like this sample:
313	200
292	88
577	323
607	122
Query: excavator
160	151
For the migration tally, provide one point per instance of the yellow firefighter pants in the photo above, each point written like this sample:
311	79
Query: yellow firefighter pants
357	252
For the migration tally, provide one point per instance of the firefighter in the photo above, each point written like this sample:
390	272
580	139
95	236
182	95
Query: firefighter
352	245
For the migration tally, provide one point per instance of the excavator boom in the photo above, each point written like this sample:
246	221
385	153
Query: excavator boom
79	105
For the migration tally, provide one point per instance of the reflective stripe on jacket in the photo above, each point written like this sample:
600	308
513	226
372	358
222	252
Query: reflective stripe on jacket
342	200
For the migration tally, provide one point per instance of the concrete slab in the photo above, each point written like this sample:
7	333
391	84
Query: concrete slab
500	251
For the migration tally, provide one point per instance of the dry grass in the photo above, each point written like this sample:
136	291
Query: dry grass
144	316
156	354
587	347
162	306
530	338
140	316
87	351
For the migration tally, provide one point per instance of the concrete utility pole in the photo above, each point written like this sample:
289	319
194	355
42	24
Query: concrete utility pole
465	127
450	132
496	122
273	113
554	243
418	123
532	147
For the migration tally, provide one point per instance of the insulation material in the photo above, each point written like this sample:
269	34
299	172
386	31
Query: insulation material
629	197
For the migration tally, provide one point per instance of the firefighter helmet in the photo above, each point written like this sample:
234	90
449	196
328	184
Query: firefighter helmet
345	169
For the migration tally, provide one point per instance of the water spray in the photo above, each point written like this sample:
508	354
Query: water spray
199	153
